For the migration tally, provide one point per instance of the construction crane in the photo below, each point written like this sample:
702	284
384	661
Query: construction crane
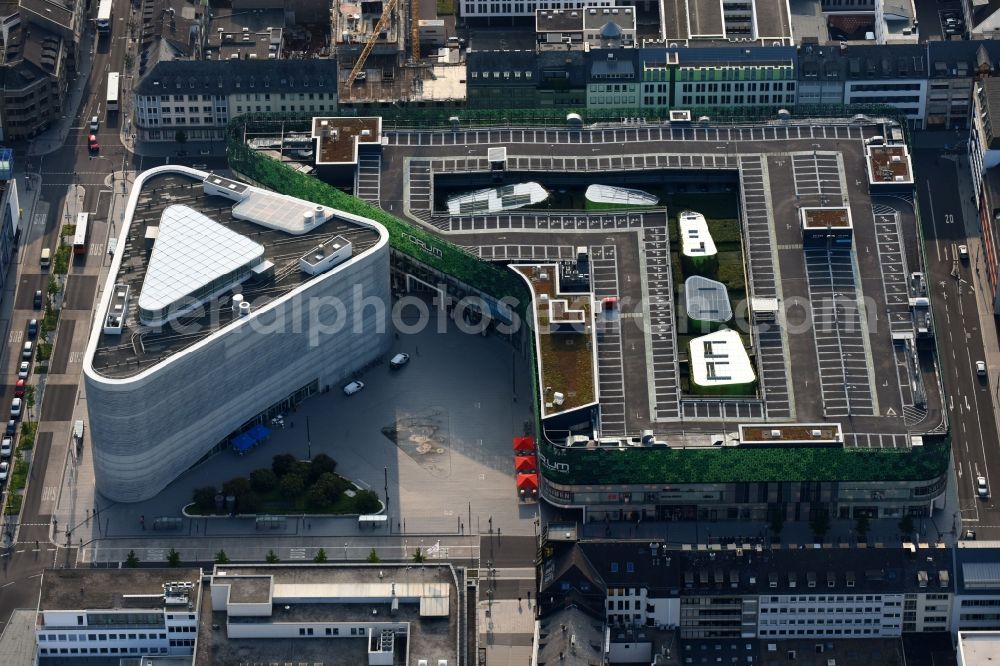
369	45
415	30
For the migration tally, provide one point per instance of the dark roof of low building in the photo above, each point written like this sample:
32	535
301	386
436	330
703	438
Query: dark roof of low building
30	55
818	571
570	636
224	77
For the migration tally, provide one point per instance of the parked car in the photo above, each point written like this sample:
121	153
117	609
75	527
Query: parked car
11	428
353	388
23	370
32	328
970	535
6	447
982	489
963	252
28	350
19	389
4	471
398	361
15	408
37	301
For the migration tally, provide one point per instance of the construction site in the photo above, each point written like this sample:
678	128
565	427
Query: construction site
388	53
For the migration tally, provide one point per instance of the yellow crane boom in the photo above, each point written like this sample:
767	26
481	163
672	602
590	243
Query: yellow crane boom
370	44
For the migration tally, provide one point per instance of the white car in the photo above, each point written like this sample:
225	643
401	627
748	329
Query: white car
6	447
980	368
15	408
95	123
23	370
398	361
963	252
4	470
981	488
353	388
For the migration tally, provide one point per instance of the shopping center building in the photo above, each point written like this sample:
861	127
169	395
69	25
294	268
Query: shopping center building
225	305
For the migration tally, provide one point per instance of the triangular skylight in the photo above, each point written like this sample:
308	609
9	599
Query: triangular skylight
191	252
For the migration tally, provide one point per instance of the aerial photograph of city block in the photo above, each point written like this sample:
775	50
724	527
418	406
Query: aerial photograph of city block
500	333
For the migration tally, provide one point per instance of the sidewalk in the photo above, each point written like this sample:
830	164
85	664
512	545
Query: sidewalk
55	137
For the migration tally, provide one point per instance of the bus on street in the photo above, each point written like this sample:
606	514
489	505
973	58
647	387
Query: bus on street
112	91
80	235
104	17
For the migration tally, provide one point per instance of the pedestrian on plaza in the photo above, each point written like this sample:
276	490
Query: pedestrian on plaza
142	521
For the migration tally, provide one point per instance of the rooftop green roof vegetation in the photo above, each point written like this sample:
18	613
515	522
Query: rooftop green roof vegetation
404	237
660	465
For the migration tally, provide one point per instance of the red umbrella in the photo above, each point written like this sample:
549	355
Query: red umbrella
527	483
525	463
524	444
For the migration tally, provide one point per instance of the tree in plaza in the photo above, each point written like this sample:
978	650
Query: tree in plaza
272	557
180	136
373	557
863	525
418	556
366	501
291	486
263	480
204	498
221	557
321	464
906	525
237	487
820	524
173	558
131	560
777	521
320	556
282	463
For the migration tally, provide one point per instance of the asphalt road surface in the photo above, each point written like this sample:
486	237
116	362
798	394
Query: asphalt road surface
960	340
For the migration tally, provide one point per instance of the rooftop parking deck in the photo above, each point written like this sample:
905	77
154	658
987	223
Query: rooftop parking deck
139	347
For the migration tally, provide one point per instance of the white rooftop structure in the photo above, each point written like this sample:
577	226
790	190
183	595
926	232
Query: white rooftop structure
193	258
268	209
620	195
696	241
978	648
719	359
707	300
496	199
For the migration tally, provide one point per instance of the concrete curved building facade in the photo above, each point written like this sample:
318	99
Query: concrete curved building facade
159	401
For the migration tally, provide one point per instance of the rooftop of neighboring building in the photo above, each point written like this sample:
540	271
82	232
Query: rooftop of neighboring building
139	347
97	589
825	570
978	648
570	634
841	651
30	55
59	12
977	567
559	20
700	20
245	34
512	68
429	637
339	138
169	30
991	96
226	77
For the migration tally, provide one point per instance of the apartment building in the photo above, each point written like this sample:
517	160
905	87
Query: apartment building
483	9
515	79
751	592
984	158
35	65
199	98
117	613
